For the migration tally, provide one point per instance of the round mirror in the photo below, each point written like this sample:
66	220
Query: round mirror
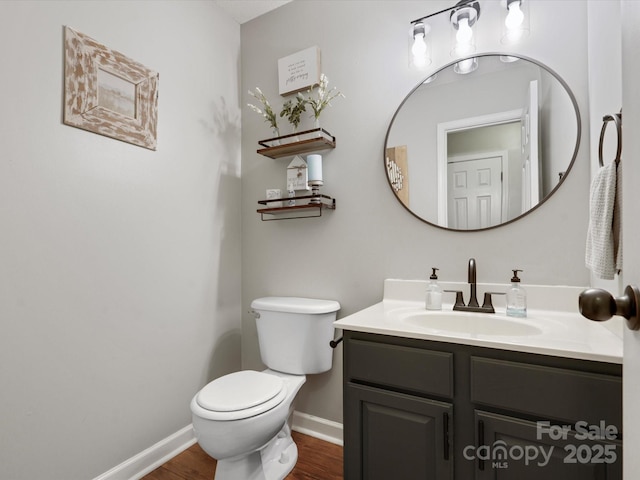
482	142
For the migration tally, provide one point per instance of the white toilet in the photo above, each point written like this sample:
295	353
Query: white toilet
241	419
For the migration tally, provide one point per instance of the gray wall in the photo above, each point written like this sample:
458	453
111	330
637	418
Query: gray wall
347	254
119	266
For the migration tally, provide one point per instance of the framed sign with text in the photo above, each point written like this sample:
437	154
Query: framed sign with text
299	71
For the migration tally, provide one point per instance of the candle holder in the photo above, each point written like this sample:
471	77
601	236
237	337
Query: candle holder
314	165
315	190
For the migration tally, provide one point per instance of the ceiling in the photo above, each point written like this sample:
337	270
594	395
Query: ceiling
244	10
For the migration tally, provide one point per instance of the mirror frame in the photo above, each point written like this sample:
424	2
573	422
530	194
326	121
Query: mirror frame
560	182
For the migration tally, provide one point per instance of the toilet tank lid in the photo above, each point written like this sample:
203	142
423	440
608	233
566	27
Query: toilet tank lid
295	305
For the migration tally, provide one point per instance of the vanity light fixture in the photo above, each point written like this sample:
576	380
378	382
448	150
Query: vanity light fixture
420	56
463	17
516	22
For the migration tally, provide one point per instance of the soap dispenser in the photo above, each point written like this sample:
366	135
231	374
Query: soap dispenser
434	293
516	298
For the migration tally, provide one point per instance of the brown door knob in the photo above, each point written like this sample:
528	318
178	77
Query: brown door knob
599	305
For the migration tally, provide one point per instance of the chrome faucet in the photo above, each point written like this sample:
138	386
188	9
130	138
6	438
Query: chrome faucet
473	306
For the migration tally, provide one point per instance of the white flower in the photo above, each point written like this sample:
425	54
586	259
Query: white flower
323	97
268	114
255	109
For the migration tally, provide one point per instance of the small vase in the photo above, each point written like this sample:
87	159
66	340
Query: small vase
295	138
276	134
317	126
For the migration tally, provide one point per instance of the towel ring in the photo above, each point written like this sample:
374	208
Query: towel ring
617	119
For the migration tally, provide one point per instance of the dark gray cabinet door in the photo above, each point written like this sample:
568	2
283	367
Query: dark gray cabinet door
516	449
392	435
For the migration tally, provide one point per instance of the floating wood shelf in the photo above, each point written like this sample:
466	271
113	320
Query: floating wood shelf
312	206
308	141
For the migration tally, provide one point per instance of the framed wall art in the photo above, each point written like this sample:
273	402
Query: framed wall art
108	93
299	71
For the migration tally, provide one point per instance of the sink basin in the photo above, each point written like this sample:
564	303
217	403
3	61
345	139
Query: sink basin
470	323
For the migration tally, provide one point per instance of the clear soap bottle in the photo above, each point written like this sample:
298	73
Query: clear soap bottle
433	299
516	298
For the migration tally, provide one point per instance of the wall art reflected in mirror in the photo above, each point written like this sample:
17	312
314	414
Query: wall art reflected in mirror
479	150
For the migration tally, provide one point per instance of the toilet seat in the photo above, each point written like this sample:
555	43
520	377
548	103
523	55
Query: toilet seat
241	395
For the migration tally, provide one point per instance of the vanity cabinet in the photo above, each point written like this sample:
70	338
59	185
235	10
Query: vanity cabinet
397	426
420	409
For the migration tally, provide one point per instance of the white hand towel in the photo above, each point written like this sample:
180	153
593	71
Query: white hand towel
604	249
617	220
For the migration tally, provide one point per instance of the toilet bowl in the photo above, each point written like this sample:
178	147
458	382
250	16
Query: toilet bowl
243	419
236	437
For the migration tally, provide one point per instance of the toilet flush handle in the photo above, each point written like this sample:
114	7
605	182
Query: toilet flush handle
255	314
599	305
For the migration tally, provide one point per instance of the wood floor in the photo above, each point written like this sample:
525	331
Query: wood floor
317	460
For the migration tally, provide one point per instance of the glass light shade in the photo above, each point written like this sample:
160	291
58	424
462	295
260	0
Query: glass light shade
463	39
419	46
516	22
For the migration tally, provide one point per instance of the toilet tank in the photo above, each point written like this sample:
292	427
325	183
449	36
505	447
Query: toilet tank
294	333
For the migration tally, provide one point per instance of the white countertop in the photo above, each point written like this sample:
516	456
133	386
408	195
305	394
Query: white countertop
561	332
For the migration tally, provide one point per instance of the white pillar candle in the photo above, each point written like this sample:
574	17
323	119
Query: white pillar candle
314	165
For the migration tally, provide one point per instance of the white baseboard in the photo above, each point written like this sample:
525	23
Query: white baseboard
145	462
317	427
150	459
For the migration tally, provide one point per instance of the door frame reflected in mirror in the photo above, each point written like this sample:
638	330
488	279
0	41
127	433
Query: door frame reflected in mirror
442	149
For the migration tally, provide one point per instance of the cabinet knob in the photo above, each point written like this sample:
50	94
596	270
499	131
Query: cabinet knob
599	305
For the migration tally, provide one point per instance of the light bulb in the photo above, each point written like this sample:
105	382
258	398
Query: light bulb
516	23
465	34
464	38
419	45
515	17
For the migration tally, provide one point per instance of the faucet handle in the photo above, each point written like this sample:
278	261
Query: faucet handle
487	304
459	297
